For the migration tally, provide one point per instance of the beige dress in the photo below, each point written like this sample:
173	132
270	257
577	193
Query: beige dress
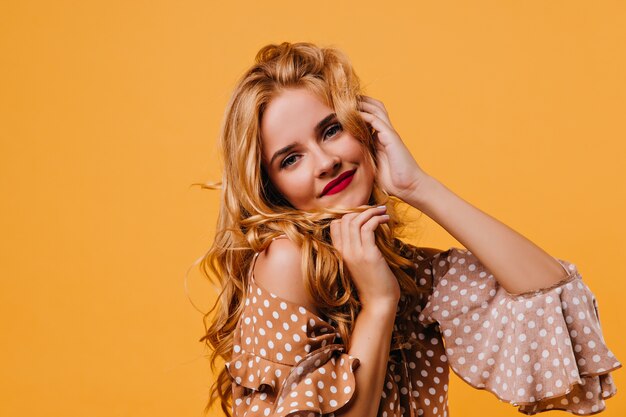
538	351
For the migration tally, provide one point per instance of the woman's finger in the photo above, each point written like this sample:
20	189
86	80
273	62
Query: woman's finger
373	109
355	233
335	234
375	121
367	231
347	243
375	102
359	221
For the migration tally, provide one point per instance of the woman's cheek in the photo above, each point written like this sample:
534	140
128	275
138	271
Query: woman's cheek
297	188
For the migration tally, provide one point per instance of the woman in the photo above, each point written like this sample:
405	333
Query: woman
324	311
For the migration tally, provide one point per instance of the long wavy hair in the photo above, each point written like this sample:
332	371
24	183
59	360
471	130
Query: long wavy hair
252	212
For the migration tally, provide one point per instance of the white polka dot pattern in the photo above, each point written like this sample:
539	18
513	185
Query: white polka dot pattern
538	351
541	350
285	360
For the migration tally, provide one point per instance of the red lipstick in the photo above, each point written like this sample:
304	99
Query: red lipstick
339	183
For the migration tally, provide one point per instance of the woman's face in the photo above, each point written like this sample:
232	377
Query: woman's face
307	154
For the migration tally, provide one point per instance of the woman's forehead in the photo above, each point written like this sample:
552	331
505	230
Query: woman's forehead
291	116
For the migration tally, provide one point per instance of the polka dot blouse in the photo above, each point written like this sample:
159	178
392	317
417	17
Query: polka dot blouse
538	351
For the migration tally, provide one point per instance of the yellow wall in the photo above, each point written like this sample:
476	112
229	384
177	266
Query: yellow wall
109	110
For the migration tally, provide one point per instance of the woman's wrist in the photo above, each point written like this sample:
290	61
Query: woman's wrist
422	194
381	307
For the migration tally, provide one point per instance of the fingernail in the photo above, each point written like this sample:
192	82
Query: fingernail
382	207
385	216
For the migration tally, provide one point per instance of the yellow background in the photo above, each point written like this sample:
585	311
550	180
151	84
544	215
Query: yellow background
109	110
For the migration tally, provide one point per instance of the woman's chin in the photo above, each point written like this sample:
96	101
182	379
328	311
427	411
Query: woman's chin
347	202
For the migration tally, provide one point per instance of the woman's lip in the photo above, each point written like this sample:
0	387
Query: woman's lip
339	183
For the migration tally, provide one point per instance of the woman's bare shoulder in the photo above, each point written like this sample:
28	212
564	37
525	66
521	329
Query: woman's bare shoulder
278	270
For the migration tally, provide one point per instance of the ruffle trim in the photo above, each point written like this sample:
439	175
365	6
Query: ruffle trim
584	398
253	371
322	382
540	351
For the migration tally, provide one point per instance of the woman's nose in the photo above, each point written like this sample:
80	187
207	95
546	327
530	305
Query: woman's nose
327	163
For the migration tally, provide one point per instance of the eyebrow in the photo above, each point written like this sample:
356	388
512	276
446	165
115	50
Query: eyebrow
317	130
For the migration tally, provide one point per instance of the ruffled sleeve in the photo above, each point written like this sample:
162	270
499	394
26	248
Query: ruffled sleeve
287	361
539	351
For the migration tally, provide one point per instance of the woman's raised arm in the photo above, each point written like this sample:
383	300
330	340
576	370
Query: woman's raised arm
379	292
518	264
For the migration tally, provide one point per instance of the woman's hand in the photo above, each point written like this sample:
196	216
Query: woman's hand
353	237
398	172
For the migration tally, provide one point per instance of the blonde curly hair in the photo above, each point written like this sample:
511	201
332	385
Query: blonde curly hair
252	212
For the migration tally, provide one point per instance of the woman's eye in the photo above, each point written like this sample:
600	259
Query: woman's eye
334	128
330	132
290	160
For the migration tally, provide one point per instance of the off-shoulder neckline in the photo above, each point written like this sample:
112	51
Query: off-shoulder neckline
281	299
275	296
